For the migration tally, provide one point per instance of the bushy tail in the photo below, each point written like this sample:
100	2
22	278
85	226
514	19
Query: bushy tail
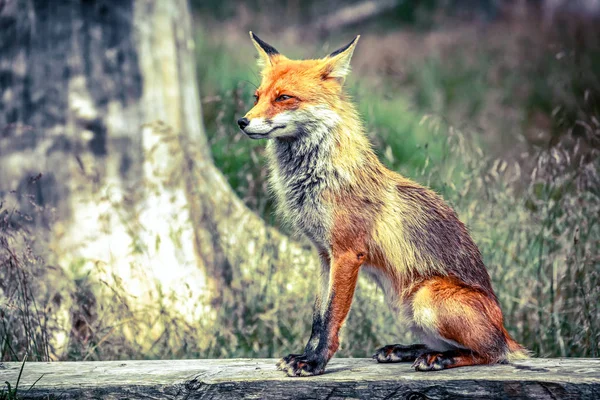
515	350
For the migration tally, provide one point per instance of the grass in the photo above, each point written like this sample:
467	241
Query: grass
23	323
10	393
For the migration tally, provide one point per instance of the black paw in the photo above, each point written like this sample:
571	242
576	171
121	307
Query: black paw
287	359
398	353
302	365
432	362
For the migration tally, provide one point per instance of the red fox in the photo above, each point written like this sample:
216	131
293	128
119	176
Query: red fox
330	185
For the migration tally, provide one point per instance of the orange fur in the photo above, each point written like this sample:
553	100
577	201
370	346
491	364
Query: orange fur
332	188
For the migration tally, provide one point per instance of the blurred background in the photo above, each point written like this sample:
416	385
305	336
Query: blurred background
122	237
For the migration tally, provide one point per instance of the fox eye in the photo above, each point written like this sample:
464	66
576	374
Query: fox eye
283	97
255	99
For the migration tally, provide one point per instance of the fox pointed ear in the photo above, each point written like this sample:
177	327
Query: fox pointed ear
337	64
266	52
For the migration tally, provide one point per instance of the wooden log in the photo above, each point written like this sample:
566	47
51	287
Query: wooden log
344	378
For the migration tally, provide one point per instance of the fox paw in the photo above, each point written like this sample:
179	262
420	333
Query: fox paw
432	362
301	365
282	363
398	353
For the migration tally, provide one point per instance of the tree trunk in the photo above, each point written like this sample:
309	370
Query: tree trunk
138	204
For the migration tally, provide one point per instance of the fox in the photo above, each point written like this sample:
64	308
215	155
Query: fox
360	216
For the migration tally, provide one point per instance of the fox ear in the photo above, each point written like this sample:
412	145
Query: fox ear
337	64
266	52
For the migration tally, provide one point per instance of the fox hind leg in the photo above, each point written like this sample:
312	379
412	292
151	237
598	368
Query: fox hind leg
465	322
399	353
435	361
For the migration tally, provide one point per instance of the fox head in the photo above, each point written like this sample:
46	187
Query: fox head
296	97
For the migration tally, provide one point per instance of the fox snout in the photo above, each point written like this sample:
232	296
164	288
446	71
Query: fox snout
266	128
243	123
254	130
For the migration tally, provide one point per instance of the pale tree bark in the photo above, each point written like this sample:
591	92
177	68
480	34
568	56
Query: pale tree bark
137	203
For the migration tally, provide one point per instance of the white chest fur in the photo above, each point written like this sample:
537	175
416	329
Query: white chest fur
300	200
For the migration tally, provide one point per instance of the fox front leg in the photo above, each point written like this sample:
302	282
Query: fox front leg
320	302
317	318
326	325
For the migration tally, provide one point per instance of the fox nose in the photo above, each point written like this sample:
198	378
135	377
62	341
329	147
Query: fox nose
243	122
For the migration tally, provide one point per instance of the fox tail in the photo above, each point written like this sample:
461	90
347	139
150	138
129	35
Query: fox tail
515	350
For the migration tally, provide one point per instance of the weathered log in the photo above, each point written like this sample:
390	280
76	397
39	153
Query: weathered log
344	378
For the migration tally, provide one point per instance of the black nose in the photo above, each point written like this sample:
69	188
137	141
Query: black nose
243	122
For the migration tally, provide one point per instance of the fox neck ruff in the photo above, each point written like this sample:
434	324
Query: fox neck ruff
304	168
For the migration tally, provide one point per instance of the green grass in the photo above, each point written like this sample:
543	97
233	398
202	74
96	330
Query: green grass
12	393
9	392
